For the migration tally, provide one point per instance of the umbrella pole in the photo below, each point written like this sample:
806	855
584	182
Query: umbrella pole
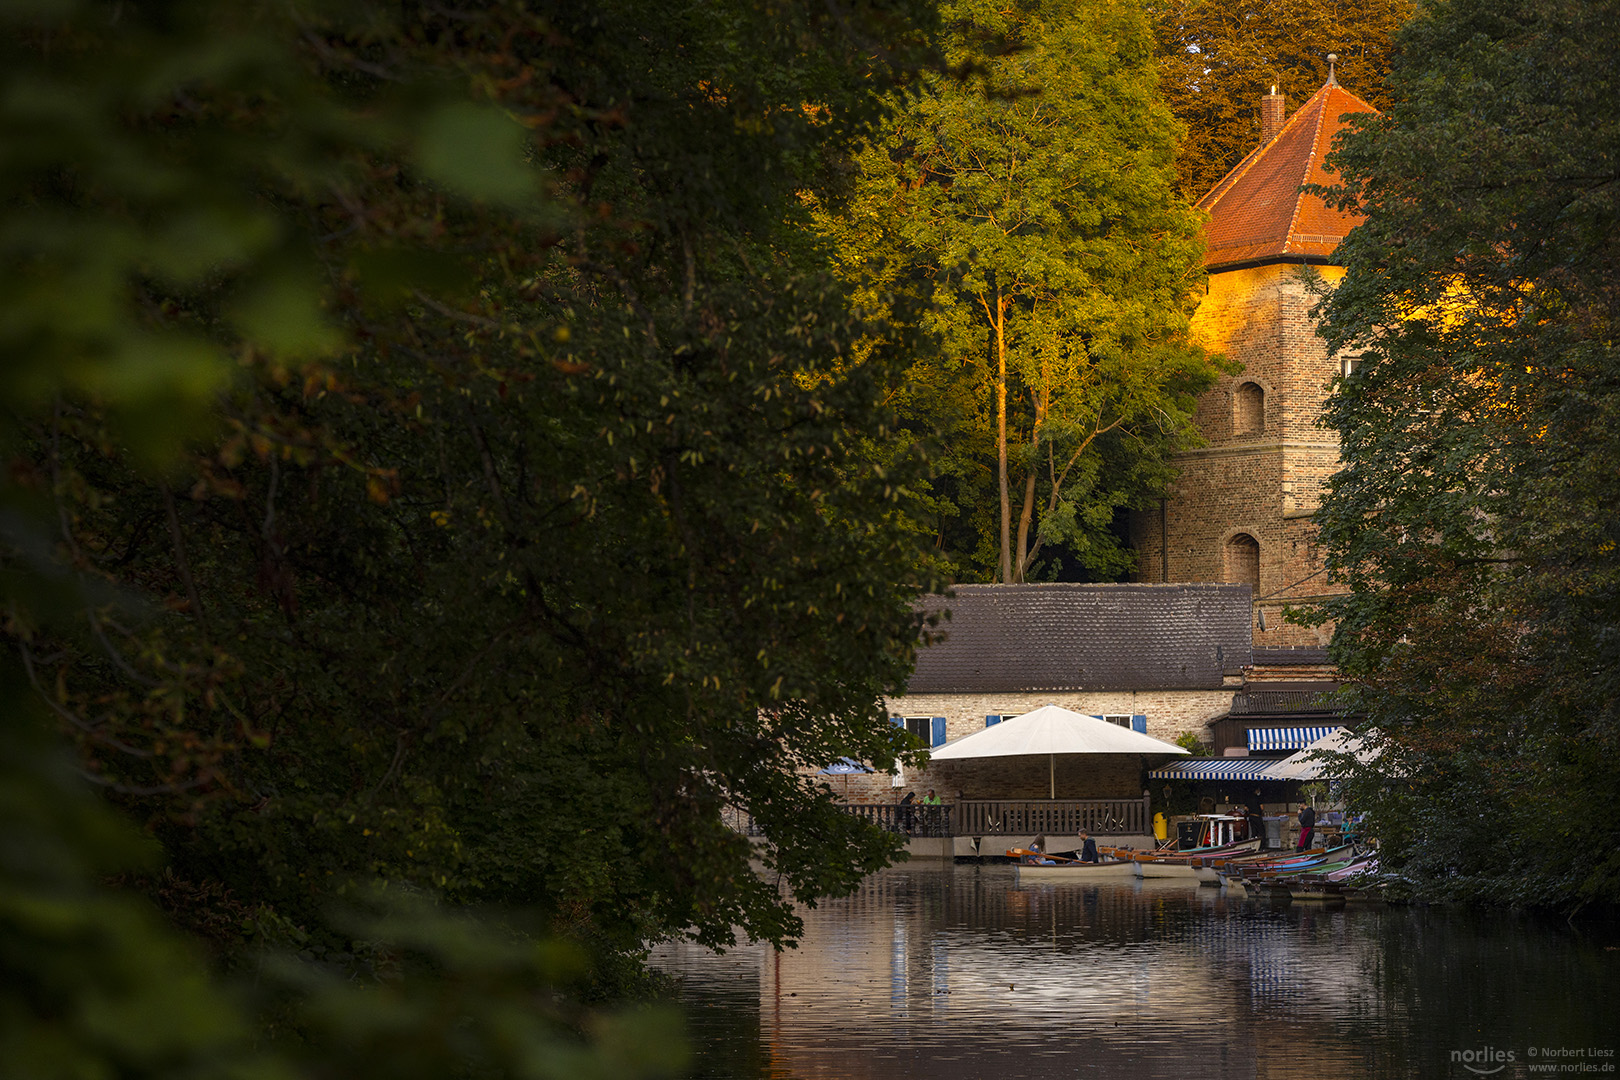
1051	776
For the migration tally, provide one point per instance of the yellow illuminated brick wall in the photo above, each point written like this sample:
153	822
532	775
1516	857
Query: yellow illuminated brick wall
1266	483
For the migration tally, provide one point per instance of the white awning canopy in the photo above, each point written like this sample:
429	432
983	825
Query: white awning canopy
1052	730
1315	762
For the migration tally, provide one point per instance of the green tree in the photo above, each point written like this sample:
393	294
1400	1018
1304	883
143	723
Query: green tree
1028	199
564	521
1473	520
1217	57
427	470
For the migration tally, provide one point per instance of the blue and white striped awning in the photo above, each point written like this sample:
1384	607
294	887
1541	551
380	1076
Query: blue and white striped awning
1288	738
1221	768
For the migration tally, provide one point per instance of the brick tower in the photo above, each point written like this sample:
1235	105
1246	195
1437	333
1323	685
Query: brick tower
1241	509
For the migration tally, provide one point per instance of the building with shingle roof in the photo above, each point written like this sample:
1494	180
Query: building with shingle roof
1069	637
1259	212
1242	508
1164	660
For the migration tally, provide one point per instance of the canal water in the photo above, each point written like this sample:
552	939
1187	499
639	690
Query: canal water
961	972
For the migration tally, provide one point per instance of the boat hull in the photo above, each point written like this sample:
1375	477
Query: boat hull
1100	871
1165	870
1193	864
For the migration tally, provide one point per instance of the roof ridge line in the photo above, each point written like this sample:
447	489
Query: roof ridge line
1316	136
1241	169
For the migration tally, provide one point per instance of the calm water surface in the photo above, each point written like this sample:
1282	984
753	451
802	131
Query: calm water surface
959	972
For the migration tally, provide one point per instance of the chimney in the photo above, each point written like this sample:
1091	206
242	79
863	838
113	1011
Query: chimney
1272	108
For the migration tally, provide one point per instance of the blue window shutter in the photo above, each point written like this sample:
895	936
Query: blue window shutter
991	721
1139	723
939	730
899	721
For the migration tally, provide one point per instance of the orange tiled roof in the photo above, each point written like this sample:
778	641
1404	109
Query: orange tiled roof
1257	212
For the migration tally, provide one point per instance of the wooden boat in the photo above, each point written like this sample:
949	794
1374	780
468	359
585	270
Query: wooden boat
1107	870
1329	886
1066	866
1278	880
1227	872
1181	854
1255	878
1208	868
1185	864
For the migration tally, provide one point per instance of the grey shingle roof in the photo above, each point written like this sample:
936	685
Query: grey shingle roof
1086	637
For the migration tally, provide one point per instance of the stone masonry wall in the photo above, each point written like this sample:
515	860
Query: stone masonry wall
1267	483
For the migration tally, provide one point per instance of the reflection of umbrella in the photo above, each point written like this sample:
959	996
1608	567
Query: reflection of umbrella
845	767
1315	761
1051	730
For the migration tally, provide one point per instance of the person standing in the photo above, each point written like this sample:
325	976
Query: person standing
1257	817
1307	825
933	817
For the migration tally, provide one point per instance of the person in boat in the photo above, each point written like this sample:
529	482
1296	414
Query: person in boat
1035	854
1307	825
1088	848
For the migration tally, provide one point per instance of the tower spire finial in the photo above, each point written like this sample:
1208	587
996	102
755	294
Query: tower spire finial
1332	79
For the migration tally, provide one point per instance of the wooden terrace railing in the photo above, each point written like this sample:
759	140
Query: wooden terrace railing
1053	817
913	819
997	817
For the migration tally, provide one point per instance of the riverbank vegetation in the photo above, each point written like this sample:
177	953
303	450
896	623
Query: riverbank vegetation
1474	522
434	487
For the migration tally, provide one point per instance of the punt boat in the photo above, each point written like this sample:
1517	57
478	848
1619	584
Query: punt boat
1169	864
1066	866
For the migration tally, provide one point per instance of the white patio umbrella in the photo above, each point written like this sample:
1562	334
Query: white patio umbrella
1314	763
1051	730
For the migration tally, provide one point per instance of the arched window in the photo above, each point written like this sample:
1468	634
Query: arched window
1249	410
1242	557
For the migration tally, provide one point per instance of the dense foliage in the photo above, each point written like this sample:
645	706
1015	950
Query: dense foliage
1474	520
432	467
1217	57
1030	205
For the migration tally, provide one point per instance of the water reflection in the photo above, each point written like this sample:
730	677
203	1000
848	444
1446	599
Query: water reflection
960	973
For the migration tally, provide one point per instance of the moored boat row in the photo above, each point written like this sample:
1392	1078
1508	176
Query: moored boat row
1328	875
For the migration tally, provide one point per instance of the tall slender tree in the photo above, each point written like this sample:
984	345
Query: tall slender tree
1029	197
